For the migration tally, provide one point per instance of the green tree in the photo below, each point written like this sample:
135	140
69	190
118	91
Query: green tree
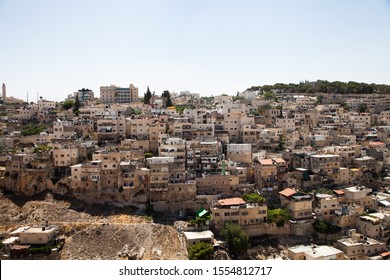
201	221
237	239
235	98
263	108
33	129
269	96
201	251
278	216
344	105
281	142
67	104
180	108
363	108
148	155
320	98
167	95
147	96
325	227
76	105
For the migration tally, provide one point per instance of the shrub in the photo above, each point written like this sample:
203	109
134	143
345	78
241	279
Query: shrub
278	216
254	198
325	227
33	129
201	251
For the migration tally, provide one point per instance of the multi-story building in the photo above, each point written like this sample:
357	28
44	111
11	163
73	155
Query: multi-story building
217	184
325	163
210	153
44	105
363	118
359	247
176	148
251	134
156	129
266	173
287	124
159	177
240	152
366	163
359	195
348	152
65	155
104	155
237	211
24	113
325	206
138	128
298	204
374	225
202	131
233	122
182	128
86	177
83	95
132	144
63	130
114	94
111	128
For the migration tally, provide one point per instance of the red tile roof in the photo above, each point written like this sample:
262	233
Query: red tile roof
267	161
376	143
288	192
339	192
385	254
231	201
279	160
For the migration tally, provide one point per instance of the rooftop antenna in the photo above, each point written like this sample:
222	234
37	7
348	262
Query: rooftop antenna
27	97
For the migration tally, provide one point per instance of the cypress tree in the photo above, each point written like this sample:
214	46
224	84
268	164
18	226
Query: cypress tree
147	96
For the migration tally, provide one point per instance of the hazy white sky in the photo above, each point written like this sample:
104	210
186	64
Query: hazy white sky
56	47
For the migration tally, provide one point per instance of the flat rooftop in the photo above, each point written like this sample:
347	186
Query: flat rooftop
315	251
356	189
38	229
351	242
190	235
324	156
231	201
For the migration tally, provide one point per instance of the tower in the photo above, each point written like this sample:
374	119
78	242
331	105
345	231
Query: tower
4	91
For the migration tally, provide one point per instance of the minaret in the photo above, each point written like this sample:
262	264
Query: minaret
4	93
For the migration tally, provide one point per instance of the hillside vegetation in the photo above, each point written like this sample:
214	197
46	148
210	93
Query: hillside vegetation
323	86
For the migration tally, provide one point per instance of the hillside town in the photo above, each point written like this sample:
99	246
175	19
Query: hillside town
314	166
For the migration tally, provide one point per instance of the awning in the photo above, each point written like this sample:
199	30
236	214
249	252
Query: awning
201	212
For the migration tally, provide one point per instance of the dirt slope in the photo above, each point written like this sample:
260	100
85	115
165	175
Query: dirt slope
94	232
